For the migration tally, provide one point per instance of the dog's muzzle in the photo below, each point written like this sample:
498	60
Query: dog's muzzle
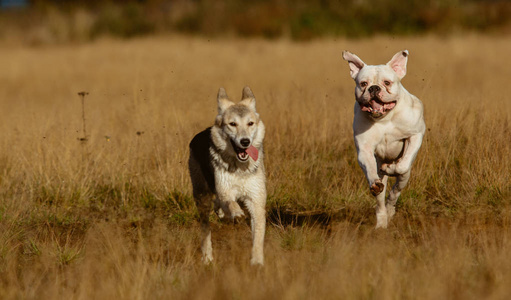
375	107
244	153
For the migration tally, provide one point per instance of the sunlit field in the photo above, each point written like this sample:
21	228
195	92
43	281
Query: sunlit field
100	207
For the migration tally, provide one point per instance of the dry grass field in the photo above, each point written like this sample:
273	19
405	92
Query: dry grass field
112	217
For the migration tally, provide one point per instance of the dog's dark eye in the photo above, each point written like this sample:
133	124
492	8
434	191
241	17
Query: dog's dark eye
250	123
387	83
233	124
363	84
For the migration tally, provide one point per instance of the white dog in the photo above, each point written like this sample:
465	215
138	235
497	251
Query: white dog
388	128
227	160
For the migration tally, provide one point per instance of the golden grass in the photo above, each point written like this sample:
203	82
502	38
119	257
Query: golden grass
113	217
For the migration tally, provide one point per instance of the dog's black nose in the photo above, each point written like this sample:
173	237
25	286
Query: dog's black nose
374	89
245	142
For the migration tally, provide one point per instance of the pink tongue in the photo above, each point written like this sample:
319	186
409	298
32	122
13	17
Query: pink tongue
389	105
252	151
376	105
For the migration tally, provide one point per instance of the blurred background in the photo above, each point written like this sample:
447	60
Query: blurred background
60	21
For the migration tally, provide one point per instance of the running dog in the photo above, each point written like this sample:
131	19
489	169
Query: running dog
388	128
226	160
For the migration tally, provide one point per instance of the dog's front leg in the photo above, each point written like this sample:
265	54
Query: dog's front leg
257	210
367	162
404	164
227	202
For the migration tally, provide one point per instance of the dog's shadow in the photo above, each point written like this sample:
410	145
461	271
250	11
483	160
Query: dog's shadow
283	216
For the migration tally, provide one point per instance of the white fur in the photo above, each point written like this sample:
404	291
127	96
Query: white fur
386	145
234	180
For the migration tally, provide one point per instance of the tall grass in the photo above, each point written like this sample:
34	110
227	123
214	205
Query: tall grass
114	217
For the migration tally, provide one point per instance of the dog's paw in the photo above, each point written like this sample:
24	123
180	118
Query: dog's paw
391	211
220	213
381	222
235	210
394	169
207	259
257	261
377	187
389	169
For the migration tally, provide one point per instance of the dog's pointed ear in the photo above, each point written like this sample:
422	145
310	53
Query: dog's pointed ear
247	93
248	98
356	64
223	101
398	63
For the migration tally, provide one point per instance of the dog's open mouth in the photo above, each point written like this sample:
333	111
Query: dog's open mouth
377	108
244	153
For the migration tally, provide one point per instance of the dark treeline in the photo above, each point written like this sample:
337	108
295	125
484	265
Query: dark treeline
297	19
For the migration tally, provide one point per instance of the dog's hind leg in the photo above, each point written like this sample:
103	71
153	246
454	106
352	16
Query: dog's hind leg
394	194
203	200
381	210
204	206
257	212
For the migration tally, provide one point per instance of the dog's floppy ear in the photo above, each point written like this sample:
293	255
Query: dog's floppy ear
248	98
356	64
223	101
398	63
